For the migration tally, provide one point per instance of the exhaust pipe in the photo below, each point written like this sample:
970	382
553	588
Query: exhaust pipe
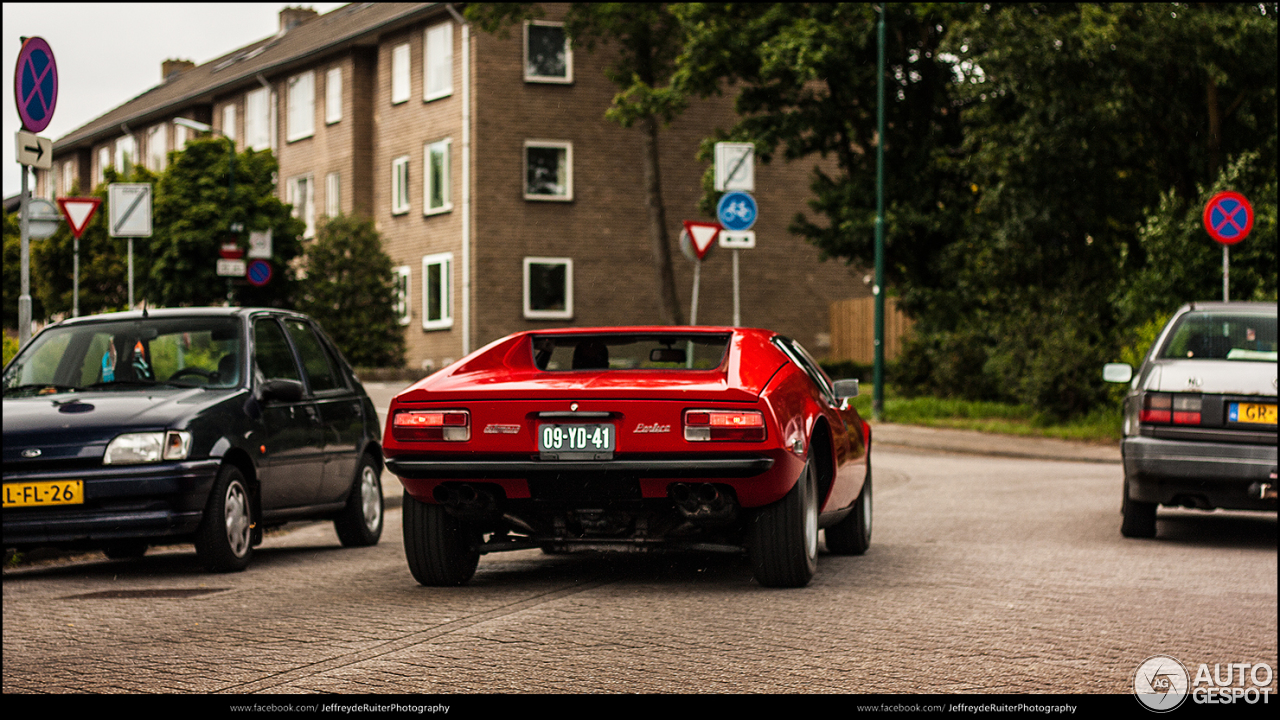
703	501
464	498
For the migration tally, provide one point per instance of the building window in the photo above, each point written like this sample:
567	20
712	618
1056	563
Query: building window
301	192
179	137
157	142
302	106
401	276
68	177
435	161
125	154
333	194
548	288
547	55
104	162
229	121
400	185
548	170
437	291
257	119
437	63
400	74
333	96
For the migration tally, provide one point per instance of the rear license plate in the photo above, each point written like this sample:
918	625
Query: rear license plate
1252	413
576	441
40	494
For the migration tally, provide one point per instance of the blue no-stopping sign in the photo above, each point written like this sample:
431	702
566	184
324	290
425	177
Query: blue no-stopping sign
36	84
737	211
258	273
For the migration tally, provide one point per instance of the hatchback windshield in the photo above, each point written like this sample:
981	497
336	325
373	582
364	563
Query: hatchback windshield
1222	336
185	352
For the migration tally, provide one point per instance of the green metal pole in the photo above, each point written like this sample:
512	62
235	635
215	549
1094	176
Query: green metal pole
877	401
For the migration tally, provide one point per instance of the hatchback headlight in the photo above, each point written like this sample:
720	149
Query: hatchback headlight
148	447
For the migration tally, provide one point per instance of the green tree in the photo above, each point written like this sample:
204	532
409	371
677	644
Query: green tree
648	37
350	290
194	210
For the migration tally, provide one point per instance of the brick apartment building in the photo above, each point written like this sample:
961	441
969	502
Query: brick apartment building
505	198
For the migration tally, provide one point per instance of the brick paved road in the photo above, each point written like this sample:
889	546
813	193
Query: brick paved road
989	575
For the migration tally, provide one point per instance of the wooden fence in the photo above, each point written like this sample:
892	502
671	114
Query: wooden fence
853	329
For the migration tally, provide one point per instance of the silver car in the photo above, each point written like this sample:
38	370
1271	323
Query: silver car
1200	416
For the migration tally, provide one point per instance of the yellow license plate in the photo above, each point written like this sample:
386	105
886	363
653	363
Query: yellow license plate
40	494
1252	413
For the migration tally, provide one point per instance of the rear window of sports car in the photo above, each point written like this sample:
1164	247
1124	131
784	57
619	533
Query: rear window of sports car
630	351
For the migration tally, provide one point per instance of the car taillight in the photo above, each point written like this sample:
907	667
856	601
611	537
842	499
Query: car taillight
724	425
1156	408
447	425
1186	409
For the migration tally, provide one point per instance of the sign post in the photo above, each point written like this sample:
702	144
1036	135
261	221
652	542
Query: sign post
737	212
79	210
130	209
1228	218
35	86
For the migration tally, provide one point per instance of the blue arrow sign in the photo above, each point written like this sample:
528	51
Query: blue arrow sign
737	211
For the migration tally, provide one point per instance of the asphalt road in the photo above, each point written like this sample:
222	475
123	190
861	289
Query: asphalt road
986	575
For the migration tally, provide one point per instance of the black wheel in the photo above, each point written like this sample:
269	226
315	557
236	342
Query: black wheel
224	539
1139	519
125	549
441	550
784	536
852	535
360	523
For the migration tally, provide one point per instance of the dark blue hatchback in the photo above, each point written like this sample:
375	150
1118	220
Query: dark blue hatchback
201	424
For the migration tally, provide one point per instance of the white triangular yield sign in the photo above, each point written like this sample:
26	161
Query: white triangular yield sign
79	210
701	235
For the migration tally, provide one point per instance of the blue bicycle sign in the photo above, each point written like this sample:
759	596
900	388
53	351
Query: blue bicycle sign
737	211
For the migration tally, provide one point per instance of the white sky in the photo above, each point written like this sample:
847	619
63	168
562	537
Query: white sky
109	53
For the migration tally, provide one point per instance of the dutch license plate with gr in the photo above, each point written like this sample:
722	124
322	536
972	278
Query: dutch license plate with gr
1252	413
576	441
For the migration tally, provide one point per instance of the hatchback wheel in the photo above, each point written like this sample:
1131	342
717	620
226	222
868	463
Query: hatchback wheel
360	523
1139	518
224	539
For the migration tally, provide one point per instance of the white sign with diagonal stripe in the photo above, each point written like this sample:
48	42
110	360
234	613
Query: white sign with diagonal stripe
129	209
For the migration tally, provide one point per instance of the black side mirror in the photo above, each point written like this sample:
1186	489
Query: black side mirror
282	390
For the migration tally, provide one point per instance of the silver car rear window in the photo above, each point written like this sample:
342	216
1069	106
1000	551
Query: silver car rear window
1222	336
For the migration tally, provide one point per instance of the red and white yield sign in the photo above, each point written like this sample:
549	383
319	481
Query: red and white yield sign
700	236
79	211
1228	217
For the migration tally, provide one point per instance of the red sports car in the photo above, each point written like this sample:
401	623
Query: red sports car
636	438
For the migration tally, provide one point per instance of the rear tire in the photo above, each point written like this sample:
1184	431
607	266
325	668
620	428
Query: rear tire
852	535
224	539
360	524
441	549
784	536
1139	518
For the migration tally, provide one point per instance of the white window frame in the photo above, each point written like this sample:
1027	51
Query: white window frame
179	137
446	292
446	179
229	121
257	119
437	61
400	185
307	210
567	312
157	147
302	106
400	58
68	174
333	96
126	154
333	194
403	278
104	162
567	181
568	56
